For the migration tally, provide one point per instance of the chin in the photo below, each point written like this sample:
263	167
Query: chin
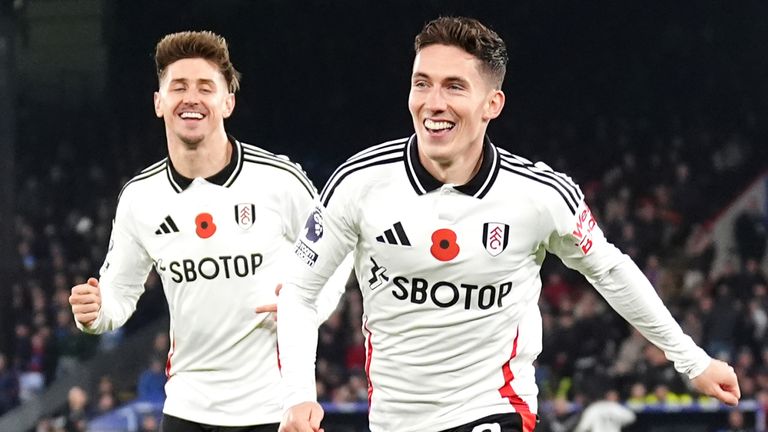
191	141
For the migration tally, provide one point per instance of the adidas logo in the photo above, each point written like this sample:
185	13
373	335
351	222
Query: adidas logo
167	227
396	237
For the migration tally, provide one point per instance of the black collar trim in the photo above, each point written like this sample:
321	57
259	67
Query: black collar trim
225	177
423	182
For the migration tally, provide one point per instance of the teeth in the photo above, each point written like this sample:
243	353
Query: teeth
191	115
438	125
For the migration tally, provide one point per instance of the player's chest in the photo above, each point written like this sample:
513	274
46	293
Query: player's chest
219	221
447	226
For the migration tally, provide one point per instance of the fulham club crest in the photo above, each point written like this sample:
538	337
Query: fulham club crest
495	237
245	214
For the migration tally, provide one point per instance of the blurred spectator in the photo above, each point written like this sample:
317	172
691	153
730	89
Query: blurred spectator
752	276
654	371
151	386
160	346
750	232
556	290
736	422
9	386
607	415
638	396
149	423
720	322
560	417
355	354
106	386
106	396
105	403
77	412
629	354
699	250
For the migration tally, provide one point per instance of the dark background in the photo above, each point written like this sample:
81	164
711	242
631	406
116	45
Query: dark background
324	79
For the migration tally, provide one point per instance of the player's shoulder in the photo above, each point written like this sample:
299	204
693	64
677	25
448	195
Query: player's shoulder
366	164
258	157
145	178
541	180
274	165
383	150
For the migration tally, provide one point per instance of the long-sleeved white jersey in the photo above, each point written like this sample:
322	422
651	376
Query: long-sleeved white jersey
220	246
450	283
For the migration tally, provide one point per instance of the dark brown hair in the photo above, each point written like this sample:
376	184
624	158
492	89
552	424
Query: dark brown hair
473	37
196	44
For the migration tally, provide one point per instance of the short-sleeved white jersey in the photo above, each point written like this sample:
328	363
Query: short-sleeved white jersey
450	283
220	246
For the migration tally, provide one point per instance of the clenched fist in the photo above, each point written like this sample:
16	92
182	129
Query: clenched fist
719	381
86	302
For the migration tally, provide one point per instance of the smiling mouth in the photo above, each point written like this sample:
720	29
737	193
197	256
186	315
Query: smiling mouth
191	115
438	126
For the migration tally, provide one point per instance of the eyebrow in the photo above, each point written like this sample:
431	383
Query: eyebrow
199	81
456	79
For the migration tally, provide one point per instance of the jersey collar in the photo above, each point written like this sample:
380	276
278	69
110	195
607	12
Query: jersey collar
225	177
423	182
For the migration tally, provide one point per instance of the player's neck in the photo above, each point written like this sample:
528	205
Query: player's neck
458	170
201	160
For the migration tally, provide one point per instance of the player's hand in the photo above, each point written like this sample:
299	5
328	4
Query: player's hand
270	307
304	417
86	302
719	381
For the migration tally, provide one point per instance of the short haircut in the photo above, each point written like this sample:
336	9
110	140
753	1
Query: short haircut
473	37
196	44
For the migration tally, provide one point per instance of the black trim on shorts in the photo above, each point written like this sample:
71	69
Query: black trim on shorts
175	424
509	422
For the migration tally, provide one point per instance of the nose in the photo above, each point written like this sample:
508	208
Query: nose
190	97
434	100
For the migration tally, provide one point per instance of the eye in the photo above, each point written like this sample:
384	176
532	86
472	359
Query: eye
420	84
206	90
454	86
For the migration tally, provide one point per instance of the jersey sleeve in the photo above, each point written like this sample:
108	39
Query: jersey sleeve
330	234
297	224
123	273
577	239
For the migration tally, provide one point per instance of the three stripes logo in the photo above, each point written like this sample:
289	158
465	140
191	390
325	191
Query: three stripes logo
167	227
396	237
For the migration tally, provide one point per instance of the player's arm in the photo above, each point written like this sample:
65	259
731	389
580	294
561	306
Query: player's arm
106	304
580	243
330	294
334	289
315	260
304	201
317	253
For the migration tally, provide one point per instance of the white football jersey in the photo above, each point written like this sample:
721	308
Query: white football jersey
220	246
450	283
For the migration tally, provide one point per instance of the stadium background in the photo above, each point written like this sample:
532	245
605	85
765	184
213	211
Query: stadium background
657	109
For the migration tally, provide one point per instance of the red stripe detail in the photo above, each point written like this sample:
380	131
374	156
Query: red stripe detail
168	361
277	349
508	392
529	421
277	352
368	355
